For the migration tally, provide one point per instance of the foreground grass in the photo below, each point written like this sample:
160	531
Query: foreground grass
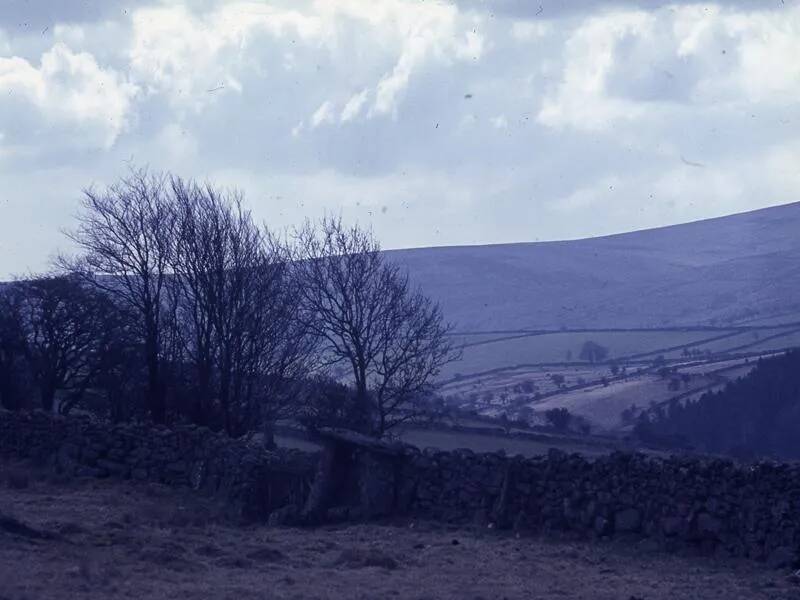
123	540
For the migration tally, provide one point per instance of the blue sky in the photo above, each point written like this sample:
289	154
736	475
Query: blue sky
436	123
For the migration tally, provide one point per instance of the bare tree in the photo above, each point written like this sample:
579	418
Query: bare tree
361	309
236	309
63	324
126	233
13	349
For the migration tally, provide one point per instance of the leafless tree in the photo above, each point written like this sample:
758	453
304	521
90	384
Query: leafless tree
13	349
126	233
365	315
237	309
63	325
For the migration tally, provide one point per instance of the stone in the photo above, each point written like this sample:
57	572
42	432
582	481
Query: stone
708	527
627	520
286	515
115	469
671	526
602	526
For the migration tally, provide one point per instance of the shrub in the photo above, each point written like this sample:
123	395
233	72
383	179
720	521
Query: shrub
559	418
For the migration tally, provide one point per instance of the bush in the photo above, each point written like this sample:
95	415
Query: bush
593	352
559	418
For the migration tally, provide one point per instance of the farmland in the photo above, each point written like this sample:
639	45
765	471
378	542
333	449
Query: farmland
522	374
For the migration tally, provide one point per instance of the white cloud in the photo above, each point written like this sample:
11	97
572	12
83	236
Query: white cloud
467	124
769	68
428	33
685	191
184	54
632	66
499	122
324	114
580	99
530	30
67	89
353	106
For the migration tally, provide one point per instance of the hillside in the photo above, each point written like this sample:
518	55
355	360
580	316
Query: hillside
722	271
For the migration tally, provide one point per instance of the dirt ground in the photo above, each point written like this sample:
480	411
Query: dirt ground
105	539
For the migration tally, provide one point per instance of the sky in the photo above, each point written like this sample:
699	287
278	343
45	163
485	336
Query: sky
435	123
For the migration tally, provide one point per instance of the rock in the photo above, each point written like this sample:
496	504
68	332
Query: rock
627	520
648	545
602	526
708	527
286	515
671	526
115	469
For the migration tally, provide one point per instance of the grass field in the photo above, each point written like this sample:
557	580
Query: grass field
502	375
453	440
565	347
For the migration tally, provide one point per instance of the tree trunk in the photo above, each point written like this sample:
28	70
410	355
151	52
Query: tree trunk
268	431
48	395
155	391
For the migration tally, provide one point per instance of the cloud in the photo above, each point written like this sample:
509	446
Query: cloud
581	99
559	9
624	67
438	122
69	92
499	122
28	15
324	114
354	105
682	192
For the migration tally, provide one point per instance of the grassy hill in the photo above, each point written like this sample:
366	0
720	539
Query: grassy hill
704	298
722	271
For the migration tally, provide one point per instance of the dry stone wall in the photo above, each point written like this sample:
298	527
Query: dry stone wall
715	506
710	505
253	480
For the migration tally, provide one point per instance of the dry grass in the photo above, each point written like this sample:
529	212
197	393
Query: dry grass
121	540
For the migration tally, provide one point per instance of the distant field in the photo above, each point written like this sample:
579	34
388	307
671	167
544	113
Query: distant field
452	440
778	343
747	341
537	376
565	347
780	319
603	405
477	442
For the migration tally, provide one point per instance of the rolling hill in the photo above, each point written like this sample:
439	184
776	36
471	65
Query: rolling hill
725	271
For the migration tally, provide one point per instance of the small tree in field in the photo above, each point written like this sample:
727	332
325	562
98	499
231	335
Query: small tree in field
364	314
559	418
593	352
